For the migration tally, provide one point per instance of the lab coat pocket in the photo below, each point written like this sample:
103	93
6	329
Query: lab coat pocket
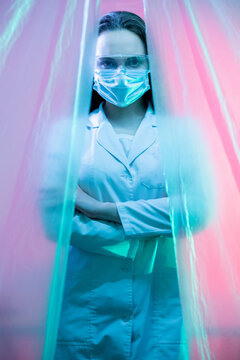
152	184
65	351
151	170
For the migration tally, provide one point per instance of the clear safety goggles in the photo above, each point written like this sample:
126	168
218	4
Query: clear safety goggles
127	62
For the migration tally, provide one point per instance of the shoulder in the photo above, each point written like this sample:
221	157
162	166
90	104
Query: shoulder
94	118
180	129
182	141
57	132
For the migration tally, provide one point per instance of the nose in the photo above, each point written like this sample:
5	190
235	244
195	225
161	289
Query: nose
120	69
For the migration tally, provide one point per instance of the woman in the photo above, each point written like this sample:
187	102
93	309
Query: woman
121	298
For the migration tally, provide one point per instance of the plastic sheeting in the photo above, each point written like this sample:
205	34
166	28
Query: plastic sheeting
45	78
46	66
195	60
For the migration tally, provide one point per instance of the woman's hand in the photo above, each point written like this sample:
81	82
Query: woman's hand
95	209
87	204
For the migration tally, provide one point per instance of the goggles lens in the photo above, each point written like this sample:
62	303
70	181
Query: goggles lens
129	62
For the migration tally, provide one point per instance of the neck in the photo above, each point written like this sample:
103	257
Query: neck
120	117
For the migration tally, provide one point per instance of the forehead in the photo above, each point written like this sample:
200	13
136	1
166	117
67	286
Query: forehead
119	42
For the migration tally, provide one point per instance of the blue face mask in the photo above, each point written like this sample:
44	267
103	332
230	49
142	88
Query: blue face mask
123	87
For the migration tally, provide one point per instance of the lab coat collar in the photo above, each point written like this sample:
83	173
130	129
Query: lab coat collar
143	139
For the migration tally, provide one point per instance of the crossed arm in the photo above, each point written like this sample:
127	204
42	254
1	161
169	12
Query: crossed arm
140	218
95	209
115	229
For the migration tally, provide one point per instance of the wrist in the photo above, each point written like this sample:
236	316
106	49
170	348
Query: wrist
109	212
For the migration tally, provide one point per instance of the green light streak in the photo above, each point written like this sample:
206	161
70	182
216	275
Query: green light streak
57	285
184	350
202	341
54	308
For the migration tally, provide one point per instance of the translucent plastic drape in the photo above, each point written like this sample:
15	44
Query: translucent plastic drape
46	57
194	47
46	66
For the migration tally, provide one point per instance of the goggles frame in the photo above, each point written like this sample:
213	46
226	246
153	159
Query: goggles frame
131	62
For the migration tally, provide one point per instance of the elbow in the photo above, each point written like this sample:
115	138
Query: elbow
192	215
197	214
54	217
50	217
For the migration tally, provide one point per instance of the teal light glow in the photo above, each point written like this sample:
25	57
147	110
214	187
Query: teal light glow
54	307
63	237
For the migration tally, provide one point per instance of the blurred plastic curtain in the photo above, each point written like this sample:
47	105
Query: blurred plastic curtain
195	48
46	65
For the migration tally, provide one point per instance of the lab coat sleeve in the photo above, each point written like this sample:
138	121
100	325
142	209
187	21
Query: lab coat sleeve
96	236
56	185
145	218
56	203
190	177
102	237
191	202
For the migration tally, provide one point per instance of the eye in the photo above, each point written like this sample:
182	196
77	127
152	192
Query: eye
133	62
106	63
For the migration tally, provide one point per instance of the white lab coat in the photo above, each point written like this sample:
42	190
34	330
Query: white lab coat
121	297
